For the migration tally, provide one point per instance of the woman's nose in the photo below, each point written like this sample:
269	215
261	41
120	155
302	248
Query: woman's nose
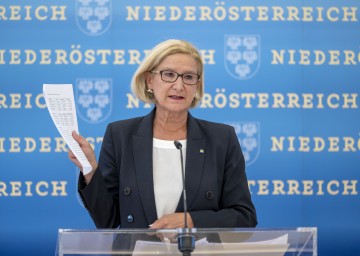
178	84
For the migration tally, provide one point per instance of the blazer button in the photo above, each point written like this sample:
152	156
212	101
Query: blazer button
130	218
127	191
209	195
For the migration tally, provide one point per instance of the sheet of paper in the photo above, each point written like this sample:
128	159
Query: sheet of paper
60	102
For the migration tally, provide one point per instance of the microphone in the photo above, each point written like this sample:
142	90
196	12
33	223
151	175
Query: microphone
178	145
186	241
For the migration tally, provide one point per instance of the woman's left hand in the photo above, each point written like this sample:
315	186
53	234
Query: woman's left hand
172	221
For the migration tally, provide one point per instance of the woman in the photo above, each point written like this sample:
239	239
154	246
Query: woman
137	182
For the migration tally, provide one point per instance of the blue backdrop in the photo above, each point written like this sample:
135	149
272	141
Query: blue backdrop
285	74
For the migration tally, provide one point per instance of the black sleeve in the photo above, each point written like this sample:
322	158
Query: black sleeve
100	196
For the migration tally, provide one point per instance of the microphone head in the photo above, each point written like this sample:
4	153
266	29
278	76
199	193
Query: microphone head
177	144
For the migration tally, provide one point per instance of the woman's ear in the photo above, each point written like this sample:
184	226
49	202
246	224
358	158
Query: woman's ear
148	80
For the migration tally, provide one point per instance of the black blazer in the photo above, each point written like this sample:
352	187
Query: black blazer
121	191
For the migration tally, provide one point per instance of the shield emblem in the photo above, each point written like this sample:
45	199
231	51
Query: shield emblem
93	17
242	55
248	134
94	99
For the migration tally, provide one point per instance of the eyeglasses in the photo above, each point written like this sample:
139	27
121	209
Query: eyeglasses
171	76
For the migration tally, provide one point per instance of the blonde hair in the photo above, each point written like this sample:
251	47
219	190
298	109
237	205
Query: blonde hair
155	57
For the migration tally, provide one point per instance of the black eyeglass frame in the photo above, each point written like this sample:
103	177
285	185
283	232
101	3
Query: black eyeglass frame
182	76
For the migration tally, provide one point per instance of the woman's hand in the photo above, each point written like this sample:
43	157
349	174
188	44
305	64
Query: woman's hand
172	221
89	153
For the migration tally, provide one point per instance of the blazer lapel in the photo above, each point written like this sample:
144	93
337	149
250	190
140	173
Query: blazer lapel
142	151
195	157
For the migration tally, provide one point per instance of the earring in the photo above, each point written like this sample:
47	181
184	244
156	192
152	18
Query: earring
196	95
150	91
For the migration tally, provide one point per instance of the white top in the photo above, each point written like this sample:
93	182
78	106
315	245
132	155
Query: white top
167	175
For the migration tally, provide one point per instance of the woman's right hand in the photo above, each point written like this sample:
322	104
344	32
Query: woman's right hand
89	153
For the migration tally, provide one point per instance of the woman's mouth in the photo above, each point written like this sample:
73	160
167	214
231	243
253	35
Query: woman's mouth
176	97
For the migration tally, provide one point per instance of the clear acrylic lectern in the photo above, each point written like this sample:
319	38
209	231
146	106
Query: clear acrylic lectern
254	242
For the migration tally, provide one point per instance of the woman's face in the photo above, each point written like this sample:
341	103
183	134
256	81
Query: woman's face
173	96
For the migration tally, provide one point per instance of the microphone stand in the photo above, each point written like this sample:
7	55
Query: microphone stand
186	241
